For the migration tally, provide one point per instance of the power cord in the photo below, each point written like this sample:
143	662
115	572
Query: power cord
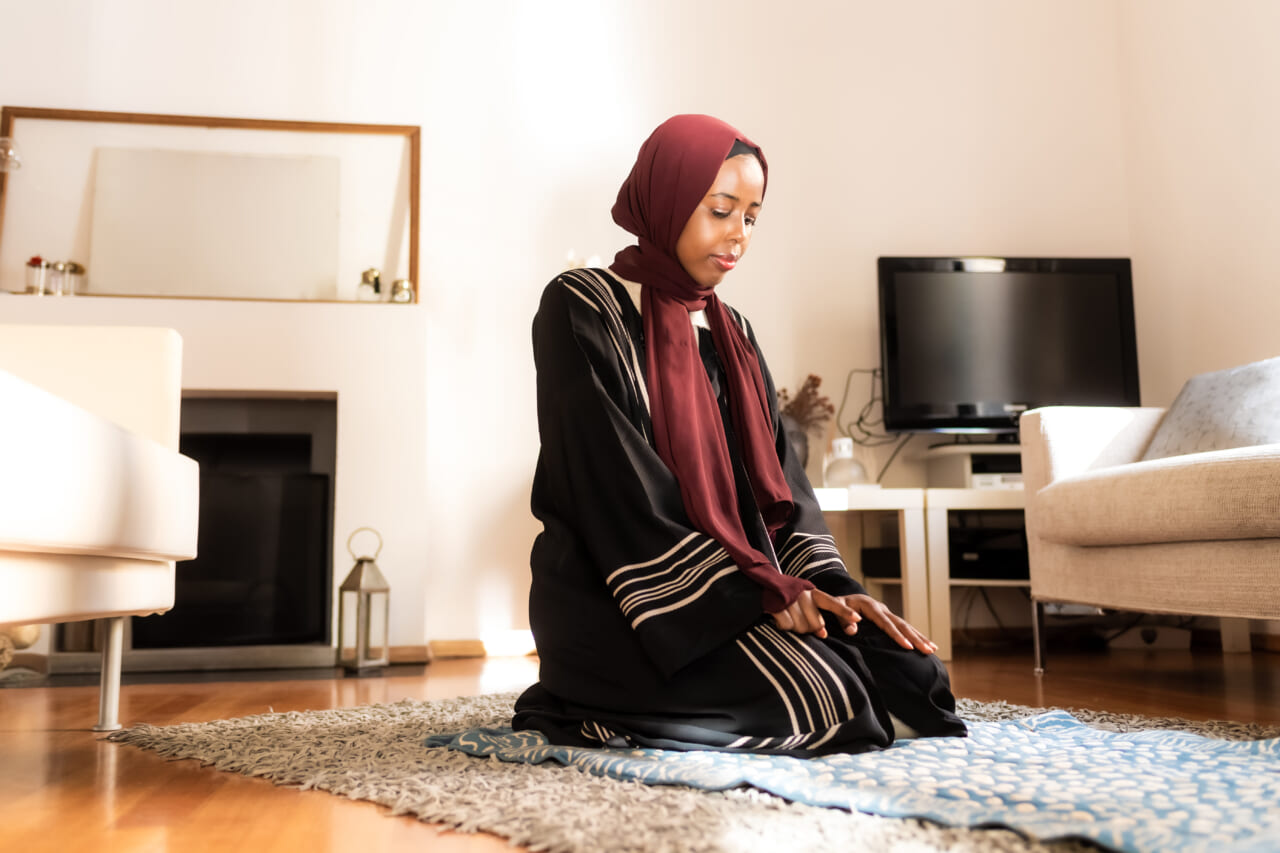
866	429
894	455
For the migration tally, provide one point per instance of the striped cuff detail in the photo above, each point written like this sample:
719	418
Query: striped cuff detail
672	581
807	555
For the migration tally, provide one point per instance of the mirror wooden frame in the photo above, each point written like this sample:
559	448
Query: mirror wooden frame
411	133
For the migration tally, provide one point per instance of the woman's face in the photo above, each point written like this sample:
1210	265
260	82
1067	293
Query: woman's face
717	234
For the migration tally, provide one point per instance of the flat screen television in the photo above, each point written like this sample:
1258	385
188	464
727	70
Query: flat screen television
968	344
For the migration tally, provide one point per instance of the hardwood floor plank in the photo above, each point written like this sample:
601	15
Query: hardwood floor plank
63	787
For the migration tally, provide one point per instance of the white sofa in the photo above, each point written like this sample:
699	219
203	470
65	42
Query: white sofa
96	503
1194	534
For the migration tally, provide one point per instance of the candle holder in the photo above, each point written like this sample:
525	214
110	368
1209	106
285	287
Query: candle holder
364	648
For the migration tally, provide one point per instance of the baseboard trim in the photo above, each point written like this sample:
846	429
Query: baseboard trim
457	649
410	654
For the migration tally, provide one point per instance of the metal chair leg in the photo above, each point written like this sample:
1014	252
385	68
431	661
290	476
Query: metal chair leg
1037	634
109	683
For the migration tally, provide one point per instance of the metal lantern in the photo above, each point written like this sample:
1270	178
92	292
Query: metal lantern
367	593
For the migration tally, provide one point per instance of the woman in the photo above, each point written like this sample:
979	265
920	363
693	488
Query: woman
686	593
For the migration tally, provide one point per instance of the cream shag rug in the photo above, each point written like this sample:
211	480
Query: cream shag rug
375	753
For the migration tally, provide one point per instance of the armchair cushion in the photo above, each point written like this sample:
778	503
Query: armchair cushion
1238	407
1219	495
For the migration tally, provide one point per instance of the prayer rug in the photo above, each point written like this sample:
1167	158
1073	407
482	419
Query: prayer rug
1048	777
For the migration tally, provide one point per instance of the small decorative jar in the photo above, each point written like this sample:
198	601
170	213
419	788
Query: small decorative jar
38	276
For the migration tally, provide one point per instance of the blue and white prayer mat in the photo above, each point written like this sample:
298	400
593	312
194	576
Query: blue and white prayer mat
1048	777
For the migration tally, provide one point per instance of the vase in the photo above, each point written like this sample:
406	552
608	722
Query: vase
798	437
841	469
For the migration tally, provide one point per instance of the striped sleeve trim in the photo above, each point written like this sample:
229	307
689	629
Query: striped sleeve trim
669	582
807	555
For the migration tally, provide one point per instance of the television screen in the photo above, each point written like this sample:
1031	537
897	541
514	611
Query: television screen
967	344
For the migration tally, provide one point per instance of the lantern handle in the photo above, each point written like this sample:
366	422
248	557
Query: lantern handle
353	536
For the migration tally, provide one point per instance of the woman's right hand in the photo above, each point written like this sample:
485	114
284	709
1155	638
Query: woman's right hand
804	615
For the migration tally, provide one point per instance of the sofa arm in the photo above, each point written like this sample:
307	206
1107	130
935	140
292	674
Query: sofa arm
1058	441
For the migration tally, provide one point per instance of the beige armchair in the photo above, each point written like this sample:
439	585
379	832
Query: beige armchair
96	503
1194	534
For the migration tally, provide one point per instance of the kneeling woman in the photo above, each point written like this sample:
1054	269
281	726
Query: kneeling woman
686	592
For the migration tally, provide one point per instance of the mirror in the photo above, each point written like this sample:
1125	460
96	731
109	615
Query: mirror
213	208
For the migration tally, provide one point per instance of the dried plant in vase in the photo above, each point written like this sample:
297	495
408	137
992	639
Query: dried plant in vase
804	414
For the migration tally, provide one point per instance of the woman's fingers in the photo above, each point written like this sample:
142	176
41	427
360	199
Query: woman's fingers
783	619
812	623
896	631
899	630
802	616
904	633
920	641
847	616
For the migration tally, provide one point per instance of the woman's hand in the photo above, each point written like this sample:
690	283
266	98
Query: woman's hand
899	630
804	616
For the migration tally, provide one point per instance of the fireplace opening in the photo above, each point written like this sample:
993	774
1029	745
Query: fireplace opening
263	574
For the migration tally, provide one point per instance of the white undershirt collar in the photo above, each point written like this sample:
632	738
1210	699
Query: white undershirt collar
698	318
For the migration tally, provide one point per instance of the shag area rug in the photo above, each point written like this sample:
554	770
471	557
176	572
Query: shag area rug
380	753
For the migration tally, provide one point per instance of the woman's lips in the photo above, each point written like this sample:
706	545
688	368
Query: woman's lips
725	262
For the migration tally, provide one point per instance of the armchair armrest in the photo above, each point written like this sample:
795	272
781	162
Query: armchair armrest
1058	441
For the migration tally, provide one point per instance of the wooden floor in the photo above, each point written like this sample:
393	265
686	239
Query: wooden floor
63	788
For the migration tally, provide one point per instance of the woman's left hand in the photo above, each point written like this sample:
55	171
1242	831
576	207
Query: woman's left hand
899	630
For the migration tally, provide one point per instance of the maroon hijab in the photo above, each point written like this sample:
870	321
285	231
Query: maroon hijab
676	166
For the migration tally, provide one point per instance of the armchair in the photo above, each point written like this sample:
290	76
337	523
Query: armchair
96	503
1194	534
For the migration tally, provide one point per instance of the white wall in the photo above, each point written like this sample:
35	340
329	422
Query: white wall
992	126
1201	86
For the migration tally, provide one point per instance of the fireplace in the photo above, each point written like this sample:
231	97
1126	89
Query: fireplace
262	575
